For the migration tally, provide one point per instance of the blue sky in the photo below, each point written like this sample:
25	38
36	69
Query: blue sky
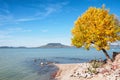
37	22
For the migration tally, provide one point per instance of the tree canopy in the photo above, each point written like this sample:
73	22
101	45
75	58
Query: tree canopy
96	26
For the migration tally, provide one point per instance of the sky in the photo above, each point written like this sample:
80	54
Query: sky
33	23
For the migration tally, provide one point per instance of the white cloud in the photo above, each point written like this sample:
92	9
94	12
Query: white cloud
27	30
7	33
47	9
33	41
6	11
25	19
51	8
5	14
44	31
17	29
7	37
4	36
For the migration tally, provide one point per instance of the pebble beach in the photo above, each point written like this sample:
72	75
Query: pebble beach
78	71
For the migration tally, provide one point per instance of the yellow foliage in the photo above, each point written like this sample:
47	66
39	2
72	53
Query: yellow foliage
96	26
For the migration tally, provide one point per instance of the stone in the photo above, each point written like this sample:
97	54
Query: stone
88	75
83	75
100	75
108	67
118	78
115	66
115	54
71	75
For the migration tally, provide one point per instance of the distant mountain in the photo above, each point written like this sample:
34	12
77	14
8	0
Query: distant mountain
49	45
55	45
5	47
12	47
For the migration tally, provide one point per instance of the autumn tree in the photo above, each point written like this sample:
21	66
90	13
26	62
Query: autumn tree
96	27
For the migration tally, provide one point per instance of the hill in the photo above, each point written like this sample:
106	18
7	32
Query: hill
55	45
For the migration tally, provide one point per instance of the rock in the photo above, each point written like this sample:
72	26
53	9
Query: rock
118	78
83	75
100	70
78	74
116	56
117	73
112	77
108	67
100	75
88	75
115	66
71	75
41	63
116	63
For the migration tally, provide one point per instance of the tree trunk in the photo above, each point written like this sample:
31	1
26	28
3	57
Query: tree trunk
106	54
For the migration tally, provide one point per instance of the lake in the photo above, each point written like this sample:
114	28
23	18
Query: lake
20	64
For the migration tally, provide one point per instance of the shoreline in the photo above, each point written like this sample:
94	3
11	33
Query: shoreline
74	72
85	70
62	69
66	70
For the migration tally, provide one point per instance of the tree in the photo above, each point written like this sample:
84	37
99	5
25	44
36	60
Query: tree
96	27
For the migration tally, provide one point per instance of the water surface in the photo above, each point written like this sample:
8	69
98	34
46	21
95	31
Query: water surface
18	64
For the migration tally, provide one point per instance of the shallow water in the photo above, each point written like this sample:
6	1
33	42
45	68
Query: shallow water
19	64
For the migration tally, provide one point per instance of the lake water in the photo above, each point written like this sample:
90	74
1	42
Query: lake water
19	64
